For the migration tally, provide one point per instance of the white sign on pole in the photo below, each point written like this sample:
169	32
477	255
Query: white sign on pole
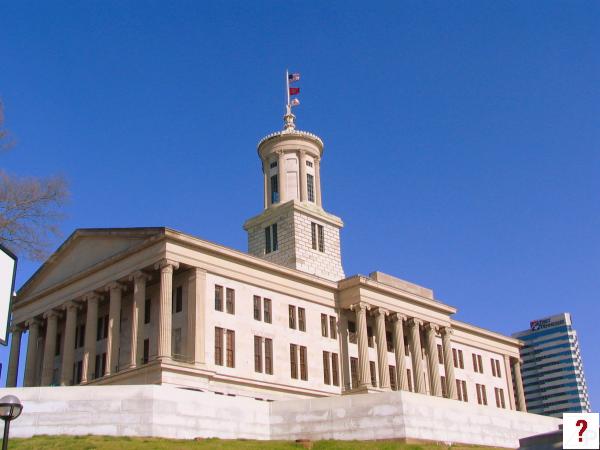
8	269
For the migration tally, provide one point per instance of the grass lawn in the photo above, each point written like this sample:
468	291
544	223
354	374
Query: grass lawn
127	443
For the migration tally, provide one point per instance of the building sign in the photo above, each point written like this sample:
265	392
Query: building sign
8	269
545	323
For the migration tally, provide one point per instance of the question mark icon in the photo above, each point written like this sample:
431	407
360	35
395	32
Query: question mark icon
583	424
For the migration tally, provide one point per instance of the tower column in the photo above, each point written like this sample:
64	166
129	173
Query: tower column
138	307
32	353
281	176
364	376
432	360
448	363
318	182
68	357
49	347
302	175
114	333
398	333
416	354
382	353
165	317
15	349
89	346
516	369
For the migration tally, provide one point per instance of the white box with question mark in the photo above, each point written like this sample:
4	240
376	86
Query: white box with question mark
580	430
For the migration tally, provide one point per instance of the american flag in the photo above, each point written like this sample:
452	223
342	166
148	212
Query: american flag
293	77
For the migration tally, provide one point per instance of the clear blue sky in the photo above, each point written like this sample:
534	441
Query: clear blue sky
461	138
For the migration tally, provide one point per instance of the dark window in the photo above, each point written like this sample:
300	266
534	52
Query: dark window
146	355
321	238
147	310
317	237
267	310
218	346
335	368
409	379
257	309
310	185
178	306
275	243
309	163
103	364
313	234
269	356
444	388
82	335
58	341
97	367
493	367
354	371
268	239
293	361
271	239
393	384
273	164
440	355
230	348
230	301
99	328
292	314
274	189
326	371
498	373
218	297
332	327
480	361
257	354
352	332
370	339
301	319
105	331
373	373
78	372
324	325
389	340
303	363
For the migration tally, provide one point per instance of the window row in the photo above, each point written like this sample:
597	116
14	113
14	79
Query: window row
328	326
262	309
331	369
229	347
263	355
301	318
229	299
317	236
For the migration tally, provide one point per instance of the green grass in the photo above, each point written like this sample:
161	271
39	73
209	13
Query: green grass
130	443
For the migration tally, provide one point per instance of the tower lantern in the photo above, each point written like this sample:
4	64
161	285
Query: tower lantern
294	230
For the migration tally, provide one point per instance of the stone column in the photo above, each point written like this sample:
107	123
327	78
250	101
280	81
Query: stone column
114	323
32	353
138	307
344	354
15	349
382	352
165	316
318	181
68	356
49	347
432	360
88	366
516	368
302	175
196	329
364	375
449	362
398	333
417	356
509	383
281	176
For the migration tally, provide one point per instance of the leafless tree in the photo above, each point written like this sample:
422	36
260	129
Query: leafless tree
29	209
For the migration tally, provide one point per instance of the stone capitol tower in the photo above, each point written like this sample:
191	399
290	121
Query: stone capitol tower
294	230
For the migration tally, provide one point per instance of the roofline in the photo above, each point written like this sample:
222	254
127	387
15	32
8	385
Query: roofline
485	332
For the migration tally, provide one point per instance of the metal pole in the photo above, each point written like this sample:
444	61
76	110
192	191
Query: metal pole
287	85
5	438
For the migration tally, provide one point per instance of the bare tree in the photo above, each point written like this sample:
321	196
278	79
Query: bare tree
29	209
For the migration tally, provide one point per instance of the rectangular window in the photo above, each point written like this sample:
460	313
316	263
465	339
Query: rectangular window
392	371
475	368
105	327
293	361
324	325
257	307
176	342
218	298
267	310
477	363
301	319
313	234
273	164
271	238
268	240
218	346
326	371
389	341
75	345
303	363
321	238
351	332
57	342
409	379
274	189
444	387
103	365
332	327
440	354
230	348
292	314
484	395
461	390
177	300
501	395
373	373
147	306
493	367
480	363
335	369
310	187
99	328
97	369
370	337
406	346
354	371
230	301
258	354
464	390
146	355
268	356
498	373
317	236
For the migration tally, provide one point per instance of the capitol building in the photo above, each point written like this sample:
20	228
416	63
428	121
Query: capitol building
156	306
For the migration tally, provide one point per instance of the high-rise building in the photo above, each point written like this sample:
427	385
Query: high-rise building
552	369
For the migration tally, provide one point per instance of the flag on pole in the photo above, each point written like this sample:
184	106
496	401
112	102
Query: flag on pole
293	77
295	102
294	91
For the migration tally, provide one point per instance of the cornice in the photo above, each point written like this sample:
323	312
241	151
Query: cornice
293	134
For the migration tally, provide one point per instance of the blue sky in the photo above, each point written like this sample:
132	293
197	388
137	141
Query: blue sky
461	138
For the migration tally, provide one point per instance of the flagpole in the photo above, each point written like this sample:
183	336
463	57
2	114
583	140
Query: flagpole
287	86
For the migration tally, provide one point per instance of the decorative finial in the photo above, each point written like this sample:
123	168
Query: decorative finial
288	119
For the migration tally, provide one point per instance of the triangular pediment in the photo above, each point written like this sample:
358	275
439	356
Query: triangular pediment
84	249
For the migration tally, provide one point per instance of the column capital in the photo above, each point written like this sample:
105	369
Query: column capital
397	316
431	327
91	297
514	360
377	311
50	314
115	285
33	321
413	321
446	331
280	152
360	306
166	264
71	304
16	328
139	275
302	152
